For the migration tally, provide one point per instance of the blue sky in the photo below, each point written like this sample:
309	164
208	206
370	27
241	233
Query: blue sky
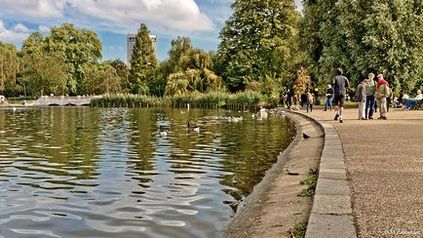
201	20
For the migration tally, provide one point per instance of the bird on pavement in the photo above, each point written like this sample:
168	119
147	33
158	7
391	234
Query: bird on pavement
305	136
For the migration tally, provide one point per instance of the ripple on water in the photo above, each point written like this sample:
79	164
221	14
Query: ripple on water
85	172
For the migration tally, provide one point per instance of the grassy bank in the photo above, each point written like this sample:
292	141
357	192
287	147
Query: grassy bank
242	100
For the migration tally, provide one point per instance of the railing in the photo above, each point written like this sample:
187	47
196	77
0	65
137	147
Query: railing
63	101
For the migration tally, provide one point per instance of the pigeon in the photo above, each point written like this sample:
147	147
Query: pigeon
305	136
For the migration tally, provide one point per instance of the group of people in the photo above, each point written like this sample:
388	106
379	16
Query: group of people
372	93
369	92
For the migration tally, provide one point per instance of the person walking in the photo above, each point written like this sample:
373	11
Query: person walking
340	85
310	101
329	98
370	96
361	99
382	92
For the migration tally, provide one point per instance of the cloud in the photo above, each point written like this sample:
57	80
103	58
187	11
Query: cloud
173	15
16	35
33	8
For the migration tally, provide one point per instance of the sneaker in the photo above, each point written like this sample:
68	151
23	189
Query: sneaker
336	117
340	120
363	118
370	118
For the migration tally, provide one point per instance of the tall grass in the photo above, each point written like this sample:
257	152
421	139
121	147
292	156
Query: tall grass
241	100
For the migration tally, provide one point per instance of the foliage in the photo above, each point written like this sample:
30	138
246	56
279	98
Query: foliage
299	230
9	67
257	42
310	190
76	46
101	79
189	70
247	99
365	36
143	61
303	81
45	73
122	71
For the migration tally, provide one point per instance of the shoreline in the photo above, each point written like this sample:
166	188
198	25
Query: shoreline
273	209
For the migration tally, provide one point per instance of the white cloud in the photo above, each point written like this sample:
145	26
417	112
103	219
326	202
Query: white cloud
16	35
20	28
173	15
33	8
176	15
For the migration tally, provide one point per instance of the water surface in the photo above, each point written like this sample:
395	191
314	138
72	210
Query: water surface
74	172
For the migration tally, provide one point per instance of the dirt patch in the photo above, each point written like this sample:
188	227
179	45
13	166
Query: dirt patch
274	208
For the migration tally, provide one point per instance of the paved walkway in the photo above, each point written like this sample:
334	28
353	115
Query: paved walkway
384	161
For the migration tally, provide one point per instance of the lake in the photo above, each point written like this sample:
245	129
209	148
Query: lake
118	172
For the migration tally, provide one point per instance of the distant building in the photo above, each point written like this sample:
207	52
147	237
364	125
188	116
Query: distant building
130	44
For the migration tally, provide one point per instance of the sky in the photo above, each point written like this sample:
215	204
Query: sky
201	20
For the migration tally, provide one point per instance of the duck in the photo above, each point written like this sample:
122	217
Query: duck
163	131
193	128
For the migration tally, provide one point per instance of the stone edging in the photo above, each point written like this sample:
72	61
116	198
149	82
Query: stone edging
331	215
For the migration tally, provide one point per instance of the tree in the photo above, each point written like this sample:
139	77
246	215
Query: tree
45	73
77	47
122	71
143	61
100	79
365	36
256	41
189	69
9	67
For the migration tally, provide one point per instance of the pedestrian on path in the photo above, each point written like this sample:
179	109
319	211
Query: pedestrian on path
310	101
340	85
361	99
382	92
370	96
329	98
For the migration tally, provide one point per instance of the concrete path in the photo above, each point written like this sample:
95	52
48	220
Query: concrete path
384	162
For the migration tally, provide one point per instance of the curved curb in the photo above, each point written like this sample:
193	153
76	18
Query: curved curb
253	201
331	215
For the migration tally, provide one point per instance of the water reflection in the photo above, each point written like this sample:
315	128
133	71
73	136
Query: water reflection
72	172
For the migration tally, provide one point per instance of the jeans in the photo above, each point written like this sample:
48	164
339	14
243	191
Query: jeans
410	103
328	103
370	105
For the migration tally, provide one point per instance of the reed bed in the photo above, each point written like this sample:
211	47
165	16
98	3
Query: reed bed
240	101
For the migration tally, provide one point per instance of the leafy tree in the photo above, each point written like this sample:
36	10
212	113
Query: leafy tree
122	71
256	41
100	79
303	81
143	61
9	67
45	73
365	36
190	69
77	47
34	44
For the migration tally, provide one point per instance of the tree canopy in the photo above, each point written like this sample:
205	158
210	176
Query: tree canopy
9	67
365	36
256	41
143	61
